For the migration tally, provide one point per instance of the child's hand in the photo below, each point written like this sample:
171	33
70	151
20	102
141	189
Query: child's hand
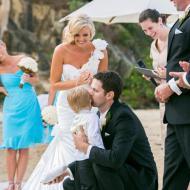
81	141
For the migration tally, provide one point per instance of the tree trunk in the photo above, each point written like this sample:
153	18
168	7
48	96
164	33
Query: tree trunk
4	16
28	16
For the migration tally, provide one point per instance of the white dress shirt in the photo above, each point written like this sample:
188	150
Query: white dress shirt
102	117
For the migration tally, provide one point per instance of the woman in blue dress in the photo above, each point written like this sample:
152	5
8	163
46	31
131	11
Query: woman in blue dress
22	124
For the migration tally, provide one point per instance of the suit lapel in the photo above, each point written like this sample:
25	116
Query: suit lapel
188	15
178	25
171	34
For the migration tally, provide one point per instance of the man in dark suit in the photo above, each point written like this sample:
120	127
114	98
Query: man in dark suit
127	162
177	113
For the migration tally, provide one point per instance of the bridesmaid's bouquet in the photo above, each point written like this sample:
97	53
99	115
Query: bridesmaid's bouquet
49	115
28	66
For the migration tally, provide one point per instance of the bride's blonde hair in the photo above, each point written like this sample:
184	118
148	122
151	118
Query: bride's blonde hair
74	25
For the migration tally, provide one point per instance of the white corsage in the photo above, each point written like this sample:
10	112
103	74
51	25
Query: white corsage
99	44
28	66
49	115
182	16
97	55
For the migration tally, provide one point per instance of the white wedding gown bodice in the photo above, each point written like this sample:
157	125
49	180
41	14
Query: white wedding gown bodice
61	149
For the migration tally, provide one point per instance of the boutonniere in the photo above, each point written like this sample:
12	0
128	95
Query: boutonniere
105	120
183	15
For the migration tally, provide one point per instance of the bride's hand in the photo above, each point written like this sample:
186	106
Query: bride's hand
59	178
85	78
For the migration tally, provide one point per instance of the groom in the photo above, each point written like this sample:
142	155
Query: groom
127	162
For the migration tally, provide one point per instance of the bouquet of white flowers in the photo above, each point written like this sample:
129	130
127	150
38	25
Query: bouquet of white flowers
28	66
49	115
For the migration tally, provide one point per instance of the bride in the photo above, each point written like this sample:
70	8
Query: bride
74	63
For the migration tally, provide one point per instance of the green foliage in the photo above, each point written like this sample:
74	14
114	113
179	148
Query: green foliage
75	4
138	92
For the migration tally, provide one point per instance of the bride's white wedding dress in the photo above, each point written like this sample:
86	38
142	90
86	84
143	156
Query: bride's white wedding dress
61	150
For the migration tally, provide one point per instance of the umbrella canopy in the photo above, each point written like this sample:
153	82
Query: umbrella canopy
122	11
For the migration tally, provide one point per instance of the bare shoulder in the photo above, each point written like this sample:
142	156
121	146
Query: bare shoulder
61	48
18	58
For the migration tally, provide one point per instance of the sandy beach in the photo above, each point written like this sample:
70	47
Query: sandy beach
151	123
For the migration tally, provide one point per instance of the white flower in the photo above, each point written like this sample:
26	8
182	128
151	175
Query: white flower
98	54
103	122
49	115
182	16
28	63
100	44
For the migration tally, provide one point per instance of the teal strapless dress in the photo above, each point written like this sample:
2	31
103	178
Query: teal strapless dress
22	123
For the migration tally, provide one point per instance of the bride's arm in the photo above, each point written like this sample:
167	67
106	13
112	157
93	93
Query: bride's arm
56	73
51	96
103	66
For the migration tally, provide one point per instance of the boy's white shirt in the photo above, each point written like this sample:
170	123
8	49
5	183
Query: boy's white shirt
92	131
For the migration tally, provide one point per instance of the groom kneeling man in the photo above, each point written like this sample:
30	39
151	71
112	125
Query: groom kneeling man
127	162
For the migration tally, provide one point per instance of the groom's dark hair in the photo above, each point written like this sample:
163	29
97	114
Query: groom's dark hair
111	81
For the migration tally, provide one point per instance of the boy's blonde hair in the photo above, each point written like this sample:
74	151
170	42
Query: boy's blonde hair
79	98
74	25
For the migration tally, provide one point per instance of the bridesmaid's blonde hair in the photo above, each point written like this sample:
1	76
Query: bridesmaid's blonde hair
74	25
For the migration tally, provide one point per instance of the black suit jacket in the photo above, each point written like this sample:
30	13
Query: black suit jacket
177	110
126	145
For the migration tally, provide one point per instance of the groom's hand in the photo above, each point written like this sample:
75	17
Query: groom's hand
81	141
